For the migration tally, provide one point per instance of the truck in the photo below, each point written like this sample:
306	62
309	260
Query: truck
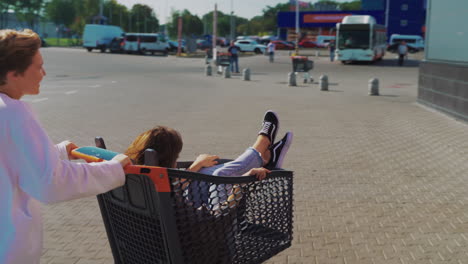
100	36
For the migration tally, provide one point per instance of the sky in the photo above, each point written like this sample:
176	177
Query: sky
241	8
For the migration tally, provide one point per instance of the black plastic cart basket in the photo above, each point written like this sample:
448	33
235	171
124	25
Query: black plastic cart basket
223	59
302	64
166	215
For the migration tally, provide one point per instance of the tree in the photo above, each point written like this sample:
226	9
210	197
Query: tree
5	5
224	23
28	11
143	19
61	12
191	24
116	13
354	5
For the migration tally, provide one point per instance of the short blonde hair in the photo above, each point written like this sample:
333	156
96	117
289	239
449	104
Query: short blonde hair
17	49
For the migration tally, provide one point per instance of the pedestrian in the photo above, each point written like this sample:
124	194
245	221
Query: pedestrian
234	53
402	52
331	49
32	169
271	51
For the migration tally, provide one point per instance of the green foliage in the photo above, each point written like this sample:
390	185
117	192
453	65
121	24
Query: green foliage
61	12
28	10
354	5
191	24
143	19
75	14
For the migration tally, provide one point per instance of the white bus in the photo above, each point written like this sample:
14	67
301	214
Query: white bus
360	38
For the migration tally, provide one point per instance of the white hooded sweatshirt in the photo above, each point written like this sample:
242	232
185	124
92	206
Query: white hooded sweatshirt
33	171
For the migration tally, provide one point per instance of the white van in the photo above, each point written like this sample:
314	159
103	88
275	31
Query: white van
323	40
413	41
100	36
145	42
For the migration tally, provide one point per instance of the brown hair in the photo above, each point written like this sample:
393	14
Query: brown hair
17	49
166	141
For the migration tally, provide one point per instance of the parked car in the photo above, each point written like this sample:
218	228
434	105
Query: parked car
173	45
43	42
324	40
145	42
250	45
116	45
415	43
100	36
204	44
394	48
310	44
282	45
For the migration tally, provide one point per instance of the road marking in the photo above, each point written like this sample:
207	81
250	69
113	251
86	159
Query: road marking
95	86
39	100
114	81
71	92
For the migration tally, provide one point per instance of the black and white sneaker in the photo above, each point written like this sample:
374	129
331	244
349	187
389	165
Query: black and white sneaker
270	126
279	150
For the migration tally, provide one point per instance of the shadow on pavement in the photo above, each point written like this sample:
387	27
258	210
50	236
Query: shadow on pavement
389	63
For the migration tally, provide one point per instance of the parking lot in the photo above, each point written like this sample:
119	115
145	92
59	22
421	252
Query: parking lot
378	179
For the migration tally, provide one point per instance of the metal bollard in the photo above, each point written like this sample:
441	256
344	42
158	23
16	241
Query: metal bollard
292	79
227	72
323	83
374	86
208	70
246	74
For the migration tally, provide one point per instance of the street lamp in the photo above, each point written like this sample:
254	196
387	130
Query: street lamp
232	35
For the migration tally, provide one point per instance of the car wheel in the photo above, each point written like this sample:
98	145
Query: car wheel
89	49
257	51
103	49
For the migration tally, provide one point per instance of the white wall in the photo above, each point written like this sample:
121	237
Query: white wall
447	31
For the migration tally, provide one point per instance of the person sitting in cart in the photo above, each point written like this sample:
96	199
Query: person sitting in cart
234	52
256	160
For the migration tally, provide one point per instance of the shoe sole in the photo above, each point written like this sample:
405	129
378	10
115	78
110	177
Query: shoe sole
285	149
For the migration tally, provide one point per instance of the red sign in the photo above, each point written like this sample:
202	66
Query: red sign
324	18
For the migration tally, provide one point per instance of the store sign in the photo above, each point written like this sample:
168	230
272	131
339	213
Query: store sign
324	18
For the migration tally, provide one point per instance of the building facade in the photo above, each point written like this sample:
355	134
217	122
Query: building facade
443	75
400	16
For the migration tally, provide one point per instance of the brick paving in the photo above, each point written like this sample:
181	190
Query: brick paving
377	179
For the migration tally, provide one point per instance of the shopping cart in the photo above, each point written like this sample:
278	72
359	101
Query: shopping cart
223	59
164	215
303	64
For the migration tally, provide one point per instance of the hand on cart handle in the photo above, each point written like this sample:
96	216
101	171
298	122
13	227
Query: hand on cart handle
124	160
70	146
94	154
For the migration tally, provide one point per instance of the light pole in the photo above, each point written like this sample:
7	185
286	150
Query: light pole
297	27
232	35
387	13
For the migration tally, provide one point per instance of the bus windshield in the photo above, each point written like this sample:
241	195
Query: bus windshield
354	37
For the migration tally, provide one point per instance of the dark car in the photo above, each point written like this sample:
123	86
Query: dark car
173	45
43	42
282	45
309	44
204	44
116	45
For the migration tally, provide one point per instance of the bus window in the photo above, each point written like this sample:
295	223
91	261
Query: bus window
354	39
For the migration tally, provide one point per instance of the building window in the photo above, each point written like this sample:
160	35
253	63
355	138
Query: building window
404	7
403	23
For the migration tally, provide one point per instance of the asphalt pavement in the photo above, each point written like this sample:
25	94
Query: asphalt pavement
378	179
